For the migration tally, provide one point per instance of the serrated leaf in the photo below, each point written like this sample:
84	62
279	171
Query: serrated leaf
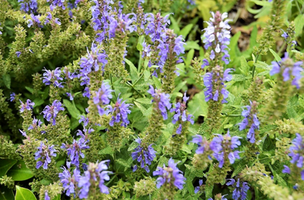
7	80
5	165
74	112
19	172
24	194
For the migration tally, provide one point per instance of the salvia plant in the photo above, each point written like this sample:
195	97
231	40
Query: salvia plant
151	99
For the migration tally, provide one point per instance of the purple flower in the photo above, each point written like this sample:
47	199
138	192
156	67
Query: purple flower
91	62
46	196
250	120
75	150
12	96
225	144
36	123
69	182
296	153
18	53
287	68
43	154
240	191
156	26
55	3
197	188
217	36
215	86
179	45
28	5
181	113
119	113
52	77
28	105
95	173
102	97
34	21
162	99
170	174
50	112
286	170
203	145
143	156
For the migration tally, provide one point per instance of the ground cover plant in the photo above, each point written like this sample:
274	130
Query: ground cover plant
151	99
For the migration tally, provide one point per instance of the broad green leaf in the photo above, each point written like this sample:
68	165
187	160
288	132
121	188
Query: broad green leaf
24	194
5	193
192	45
156	82
31	90
141	108
234	50
275	55
72	109
299	24
5	165
186	30
189	57
107	150
7	80
133	70
19	172
198	106
38	102
133	145
174	25
139	43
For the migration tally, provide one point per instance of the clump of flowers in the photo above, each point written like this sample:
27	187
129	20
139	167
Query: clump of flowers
287	68
95	174
75	150
28	5
181	114
52	76
162	100
143	155
51	112
69	182
169	175
119	113
26	106
102	97
223	146
214	83
44	154
250	120
217	36
296	154
241	188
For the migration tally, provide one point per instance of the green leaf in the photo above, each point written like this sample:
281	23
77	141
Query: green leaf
7	80
299	24
107	150
142	109
189	57
24	194
19	172
186	30
133	145
5	165
198	106
5	193
38	102
174	25
192	45
74	112
133	70
234	50
275	55
156	82
31	90
139	43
